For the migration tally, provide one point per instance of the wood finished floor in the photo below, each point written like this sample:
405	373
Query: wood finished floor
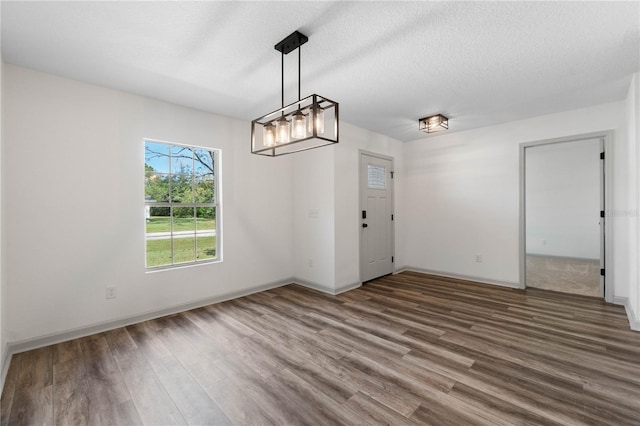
403	349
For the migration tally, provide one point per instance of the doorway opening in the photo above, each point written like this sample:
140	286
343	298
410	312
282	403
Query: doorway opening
562	215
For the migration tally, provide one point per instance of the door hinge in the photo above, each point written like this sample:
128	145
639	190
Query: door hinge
601	213
391	259
602	272
602	155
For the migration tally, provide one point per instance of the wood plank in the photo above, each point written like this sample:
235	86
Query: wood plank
33	392
501	407
37	370
32	407
8	392
194	403
71	396
371	412
152	402
104	385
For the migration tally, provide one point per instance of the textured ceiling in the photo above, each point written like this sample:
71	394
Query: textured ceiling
386	63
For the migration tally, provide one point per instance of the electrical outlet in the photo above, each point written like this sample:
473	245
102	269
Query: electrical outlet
478	258
544	242
110	292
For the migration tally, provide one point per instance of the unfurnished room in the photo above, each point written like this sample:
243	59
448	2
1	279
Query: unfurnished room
319	213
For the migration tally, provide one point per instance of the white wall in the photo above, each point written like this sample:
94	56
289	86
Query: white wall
563	199
3	323
465	192
628	216
313	218
73	197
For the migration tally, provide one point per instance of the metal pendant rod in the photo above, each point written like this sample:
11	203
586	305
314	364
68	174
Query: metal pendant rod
299	61
290	43
282	75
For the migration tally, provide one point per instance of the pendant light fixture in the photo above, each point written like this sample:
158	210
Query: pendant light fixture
308	123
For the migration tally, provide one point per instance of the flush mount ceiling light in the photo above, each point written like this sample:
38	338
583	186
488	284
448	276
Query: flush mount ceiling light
308	123
433	123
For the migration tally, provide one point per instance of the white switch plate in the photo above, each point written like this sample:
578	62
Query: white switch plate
110	293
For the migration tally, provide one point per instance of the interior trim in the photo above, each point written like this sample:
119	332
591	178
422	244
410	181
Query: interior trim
324	289
607	136
634	323
482	280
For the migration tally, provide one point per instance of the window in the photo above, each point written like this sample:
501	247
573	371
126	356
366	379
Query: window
181	204
376	176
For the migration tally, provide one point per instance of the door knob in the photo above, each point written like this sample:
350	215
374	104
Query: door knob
364	225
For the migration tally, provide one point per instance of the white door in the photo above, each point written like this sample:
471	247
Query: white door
376	216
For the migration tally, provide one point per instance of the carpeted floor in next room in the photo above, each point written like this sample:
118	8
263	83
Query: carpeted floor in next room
567	275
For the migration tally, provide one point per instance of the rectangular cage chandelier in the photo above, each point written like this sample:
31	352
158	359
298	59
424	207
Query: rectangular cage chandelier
308	123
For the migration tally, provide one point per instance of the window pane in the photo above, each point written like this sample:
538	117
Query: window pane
377	176
181	160
158	220
182	178
156	157
184	248
183	220
206	247
158	252
203	190
203	162
156	187
182	189
206	218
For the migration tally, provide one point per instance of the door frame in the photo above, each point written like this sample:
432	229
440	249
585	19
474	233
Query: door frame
361	153
606	190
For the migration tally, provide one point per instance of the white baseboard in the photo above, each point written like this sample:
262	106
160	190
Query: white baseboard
324	289
634	322
482	280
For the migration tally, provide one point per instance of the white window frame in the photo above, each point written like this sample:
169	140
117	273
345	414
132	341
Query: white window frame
217	204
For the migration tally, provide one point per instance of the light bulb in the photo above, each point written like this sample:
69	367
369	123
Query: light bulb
269	134
318	123
434	121
299	125
282	130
